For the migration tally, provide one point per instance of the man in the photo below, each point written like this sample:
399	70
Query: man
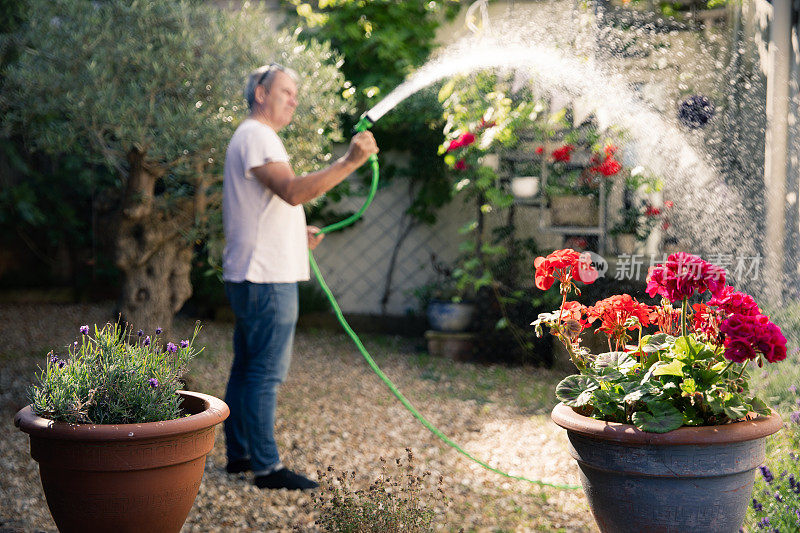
266	254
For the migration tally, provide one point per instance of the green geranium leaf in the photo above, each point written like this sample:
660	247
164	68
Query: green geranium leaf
688	386
619	360
691	417
657	342
576	390
663	417
673	368
735	409
641	392
758	406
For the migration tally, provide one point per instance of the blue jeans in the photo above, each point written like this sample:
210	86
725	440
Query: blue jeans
266	315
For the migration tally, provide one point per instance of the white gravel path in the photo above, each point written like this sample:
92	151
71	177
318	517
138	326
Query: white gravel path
332	411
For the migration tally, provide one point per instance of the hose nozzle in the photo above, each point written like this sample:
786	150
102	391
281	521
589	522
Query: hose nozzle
364	123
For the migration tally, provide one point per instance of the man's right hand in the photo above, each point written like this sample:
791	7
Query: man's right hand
362	145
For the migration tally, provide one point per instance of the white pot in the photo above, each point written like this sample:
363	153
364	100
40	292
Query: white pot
525	186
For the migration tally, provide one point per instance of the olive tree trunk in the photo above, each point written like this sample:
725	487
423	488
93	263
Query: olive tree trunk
152	251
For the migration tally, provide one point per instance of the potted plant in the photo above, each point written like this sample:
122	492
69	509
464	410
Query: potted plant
665	430
637	222
119	446
573	189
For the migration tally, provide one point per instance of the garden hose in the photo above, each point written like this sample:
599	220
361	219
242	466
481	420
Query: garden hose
364	124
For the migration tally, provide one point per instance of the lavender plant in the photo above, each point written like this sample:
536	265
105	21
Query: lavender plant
113	376
776	496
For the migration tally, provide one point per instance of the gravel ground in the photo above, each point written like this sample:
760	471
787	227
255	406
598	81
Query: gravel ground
333	411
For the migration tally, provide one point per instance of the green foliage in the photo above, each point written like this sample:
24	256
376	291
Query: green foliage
113	377
397	501
381	43
665	383
95	79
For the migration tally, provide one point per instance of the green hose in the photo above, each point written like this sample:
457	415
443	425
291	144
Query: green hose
433	429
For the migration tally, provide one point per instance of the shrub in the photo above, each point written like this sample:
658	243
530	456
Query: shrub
393	502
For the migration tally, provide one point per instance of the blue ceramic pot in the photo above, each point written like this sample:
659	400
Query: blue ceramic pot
692	479
450	316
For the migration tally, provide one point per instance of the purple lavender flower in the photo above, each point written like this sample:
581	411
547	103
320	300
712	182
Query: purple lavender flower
171	348
184	344
85	329
757	506
764	522
778	497
146	341
140	333
765	472
793	389
158	331
153	383
795	417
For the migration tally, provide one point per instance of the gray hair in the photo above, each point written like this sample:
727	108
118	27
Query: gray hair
265	75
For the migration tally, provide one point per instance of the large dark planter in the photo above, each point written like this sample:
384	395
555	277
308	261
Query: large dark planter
128	477
450	316
693	479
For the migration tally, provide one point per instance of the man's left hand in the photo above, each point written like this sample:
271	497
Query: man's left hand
314	236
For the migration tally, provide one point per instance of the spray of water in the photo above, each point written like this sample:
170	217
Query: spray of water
710	212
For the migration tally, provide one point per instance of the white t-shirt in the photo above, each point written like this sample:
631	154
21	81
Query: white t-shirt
265	237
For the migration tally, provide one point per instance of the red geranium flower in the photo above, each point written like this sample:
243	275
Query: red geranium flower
564	266
615	312
652	211
539	150
683	276
562	154
465	139
460	165
608	167
705	321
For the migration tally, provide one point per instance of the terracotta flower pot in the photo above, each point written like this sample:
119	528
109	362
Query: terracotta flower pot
697	479
127	477
573	211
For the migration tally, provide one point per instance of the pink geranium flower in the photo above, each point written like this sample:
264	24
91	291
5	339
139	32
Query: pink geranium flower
683	276
732	301
747	336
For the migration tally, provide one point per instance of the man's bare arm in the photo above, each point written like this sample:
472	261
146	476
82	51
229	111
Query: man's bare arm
280	178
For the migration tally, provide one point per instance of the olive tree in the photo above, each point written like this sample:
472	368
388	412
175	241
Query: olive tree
155	89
